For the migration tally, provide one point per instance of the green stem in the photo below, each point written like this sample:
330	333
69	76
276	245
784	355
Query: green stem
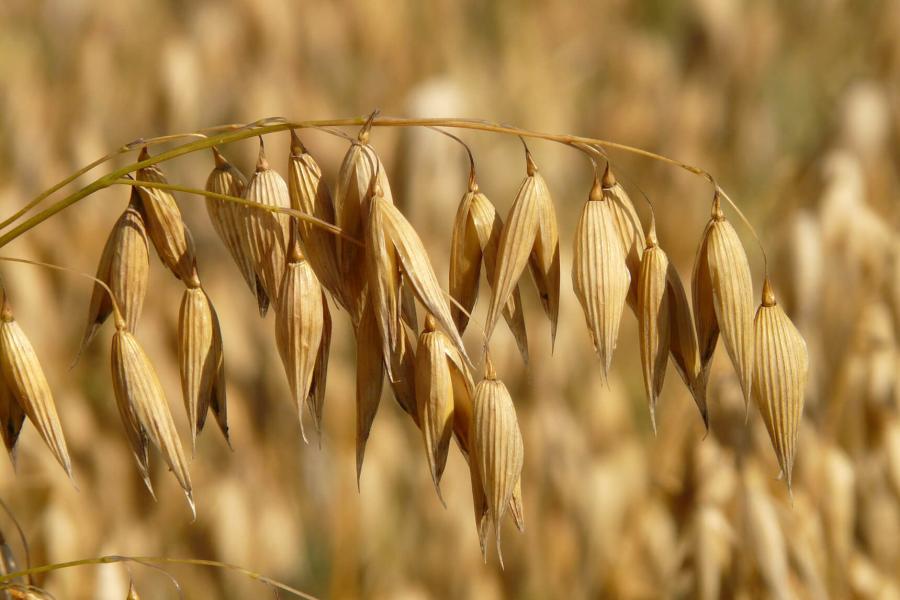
103	560
273	125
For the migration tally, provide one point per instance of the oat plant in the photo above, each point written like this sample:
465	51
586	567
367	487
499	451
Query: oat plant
309	252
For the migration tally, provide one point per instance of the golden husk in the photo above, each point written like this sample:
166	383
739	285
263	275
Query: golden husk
600	276
628	229
781	366
142	403
25	380
200	359
167	230
299	326
12	417
498	446
476	239
654	320
229	219
530	237
351	209
267	233
369	380
310	195
125	268
415	266
683	342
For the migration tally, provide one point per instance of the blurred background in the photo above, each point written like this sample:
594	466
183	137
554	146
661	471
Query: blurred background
795	107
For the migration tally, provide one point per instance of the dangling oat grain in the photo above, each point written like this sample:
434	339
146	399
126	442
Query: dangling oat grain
653	319
167	230
125	268
781	366
530	237
27	384
267	233
628	229
476	238
600	276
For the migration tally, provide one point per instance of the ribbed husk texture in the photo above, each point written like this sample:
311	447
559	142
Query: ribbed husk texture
781	366
168	232
530	237
201	361
229	219
267	233
354	191
125	268
26	385
310	195
600	276
440	376
723	297
299	333
654	320
475	240
628	230
145	411
498	447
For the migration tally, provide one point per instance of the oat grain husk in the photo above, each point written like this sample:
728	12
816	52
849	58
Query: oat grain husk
498	446
531	238
475	240
267	233
299	326
200	360
25	380
369	380
310	195
229	220
125	268
628	228
167	230
600	276
654	319
144	408
781	368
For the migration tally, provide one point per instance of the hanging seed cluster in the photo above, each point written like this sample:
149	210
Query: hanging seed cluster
298	248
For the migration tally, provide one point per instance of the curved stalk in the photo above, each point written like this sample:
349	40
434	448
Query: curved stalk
274	124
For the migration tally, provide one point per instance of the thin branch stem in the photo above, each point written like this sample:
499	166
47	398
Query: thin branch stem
103	560
234	133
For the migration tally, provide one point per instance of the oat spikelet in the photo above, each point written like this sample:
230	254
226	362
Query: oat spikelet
309	194
267	233
168	232
498	446
415	267
12	418
229	219
25	380
628	228
732	293
369	380
476	238
351	209
299	325
125	268
599	274
683	345
530	237
653	319
383	279
437	361
200	359
781	366
722	290
144	408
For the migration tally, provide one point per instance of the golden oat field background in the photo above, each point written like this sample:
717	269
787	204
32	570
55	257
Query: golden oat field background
795	107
